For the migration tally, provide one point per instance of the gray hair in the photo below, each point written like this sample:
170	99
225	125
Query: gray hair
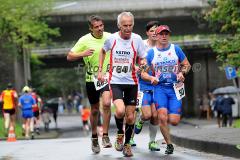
119	18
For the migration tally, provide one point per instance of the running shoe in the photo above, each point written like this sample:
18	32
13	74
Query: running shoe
127	152
119	142
32	135
169	149
138	127
95	145
132	142
153	146
106	142
38	131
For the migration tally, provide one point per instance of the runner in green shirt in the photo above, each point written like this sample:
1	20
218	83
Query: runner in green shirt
88	48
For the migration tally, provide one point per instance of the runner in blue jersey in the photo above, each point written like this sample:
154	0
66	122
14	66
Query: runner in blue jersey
27	102
170	65
148	108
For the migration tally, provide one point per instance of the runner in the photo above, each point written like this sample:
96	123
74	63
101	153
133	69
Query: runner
9	99
88	48
27	103
125	46
148	108
36	110
170	65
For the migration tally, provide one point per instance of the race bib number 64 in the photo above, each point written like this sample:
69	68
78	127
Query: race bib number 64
179	90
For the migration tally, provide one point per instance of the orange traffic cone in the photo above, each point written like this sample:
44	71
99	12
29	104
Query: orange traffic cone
11	135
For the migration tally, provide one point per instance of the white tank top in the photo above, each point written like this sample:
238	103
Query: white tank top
123	57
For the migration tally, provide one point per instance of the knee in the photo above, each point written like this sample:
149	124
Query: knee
130	118
174	121
106	104
162	118
94	111
119	113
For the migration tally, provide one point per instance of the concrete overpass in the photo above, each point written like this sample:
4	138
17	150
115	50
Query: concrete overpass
71	16
77	11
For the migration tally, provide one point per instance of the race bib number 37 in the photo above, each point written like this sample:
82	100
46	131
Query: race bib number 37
179	90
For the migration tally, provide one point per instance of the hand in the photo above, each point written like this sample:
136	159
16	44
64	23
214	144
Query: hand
154	80
100	76
137	69
180	77
89	52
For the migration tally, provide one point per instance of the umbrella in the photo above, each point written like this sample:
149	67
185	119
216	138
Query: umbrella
226	90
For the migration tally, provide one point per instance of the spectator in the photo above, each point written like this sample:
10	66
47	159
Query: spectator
60	105
227	103
218	109
212	104
205	108
46	117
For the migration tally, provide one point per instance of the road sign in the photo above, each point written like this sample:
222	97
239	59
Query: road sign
231	72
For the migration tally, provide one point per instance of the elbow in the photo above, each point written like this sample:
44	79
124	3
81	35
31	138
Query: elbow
70	57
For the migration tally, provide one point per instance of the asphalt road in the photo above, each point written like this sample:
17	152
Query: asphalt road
73	144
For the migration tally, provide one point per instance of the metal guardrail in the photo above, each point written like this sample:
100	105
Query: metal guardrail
64	51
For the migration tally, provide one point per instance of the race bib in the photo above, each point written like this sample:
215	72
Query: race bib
139	99
98	84
179	90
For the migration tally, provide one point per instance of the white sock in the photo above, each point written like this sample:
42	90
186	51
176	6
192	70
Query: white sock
152	132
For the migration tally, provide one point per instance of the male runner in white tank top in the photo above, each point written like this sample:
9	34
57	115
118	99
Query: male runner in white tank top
124	47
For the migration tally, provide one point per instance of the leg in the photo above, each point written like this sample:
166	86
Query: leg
6	121
106	101
94	118
153	127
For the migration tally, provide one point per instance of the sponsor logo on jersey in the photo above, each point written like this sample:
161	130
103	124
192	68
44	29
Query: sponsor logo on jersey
123	52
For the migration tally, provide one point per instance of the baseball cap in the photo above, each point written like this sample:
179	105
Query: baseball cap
162	28
9	85
26	89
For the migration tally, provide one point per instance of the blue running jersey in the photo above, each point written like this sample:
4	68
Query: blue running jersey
166	63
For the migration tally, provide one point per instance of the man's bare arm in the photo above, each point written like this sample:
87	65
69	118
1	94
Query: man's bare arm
72	56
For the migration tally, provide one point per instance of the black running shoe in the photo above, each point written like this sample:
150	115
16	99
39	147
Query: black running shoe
169	149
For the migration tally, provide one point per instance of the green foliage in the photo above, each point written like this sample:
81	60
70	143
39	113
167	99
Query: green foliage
23	23
225	17
55	82
236	123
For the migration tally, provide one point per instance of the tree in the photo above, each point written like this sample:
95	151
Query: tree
56	82
23	23
224	17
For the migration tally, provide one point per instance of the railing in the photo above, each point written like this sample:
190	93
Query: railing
63	51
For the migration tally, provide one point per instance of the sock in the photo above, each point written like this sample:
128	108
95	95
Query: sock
105	134
128	132
152	131
94	136
119	123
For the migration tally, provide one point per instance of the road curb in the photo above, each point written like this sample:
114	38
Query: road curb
206	146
